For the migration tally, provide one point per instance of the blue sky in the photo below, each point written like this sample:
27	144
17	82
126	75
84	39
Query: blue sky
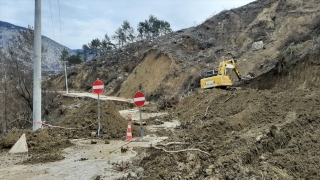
84	20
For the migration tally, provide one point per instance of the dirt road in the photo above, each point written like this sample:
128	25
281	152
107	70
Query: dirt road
95	96
82	161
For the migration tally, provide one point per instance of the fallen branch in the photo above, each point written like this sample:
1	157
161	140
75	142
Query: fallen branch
182	150
231	96
119	147
206	110
138	123
171	143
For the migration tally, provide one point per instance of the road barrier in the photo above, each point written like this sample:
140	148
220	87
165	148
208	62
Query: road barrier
51	126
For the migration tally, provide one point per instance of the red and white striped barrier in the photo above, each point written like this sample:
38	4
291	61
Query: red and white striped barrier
51	126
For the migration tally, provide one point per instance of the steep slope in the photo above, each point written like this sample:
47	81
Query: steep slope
148	75
303	74
258	35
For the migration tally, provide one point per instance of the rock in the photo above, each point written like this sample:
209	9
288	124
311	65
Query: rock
258	138
139	170
83	159
107	142
98	177
257	45
94	141
132	175
209	171
93	134
124	149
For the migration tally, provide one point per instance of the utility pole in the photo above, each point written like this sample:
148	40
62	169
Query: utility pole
37	67
65	72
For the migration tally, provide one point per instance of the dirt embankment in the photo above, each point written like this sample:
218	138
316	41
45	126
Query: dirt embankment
302	74
148	75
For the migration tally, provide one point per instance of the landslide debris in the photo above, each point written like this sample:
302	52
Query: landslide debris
43	145
269	129
74	118
250	133
83	115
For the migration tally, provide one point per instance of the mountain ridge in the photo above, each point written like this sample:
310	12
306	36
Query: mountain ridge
52	60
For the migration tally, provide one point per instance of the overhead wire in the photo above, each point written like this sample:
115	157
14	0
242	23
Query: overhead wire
60	22
52	20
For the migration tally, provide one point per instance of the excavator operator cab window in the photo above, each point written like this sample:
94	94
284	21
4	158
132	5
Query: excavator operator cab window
211	73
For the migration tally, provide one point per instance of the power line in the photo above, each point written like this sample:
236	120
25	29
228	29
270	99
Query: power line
52	20
60	21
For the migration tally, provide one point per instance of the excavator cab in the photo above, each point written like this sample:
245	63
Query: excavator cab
220	78
211	73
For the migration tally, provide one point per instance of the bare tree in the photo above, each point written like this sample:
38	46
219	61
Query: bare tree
119	37
17	81
128	31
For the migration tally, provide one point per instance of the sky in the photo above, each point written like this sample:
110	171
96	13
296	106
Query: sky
73	23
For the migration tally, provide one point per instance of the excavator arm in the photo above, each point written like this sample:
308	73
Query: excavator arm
229	64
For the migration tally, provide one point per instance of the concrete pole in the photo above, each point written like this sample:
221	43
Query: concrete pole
37	67
65	72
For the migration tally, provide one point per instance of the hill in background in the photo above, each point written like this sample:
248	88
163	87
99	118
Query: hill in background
52	60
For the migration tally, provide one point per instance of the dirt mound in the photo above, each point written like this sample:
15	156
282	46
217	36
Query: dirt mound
78	114
78	117
44	145
84	116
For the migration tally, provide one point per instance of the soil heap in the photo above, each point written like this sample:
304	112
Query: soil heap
73	118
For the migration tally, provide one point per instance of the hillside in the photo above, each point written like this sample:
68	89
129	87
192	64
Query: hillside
266	128
51	61
258	35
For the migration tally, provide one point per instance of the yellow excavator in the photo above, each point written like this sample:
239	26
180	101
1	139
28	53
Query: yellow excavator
220	78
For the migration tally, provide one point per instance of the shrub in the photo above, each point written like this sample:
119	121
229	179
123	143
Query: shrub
128	67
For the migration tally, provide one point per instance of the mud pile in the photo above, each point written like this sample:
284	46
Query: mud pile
249	133
82	118
72	118
43	145
78	118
